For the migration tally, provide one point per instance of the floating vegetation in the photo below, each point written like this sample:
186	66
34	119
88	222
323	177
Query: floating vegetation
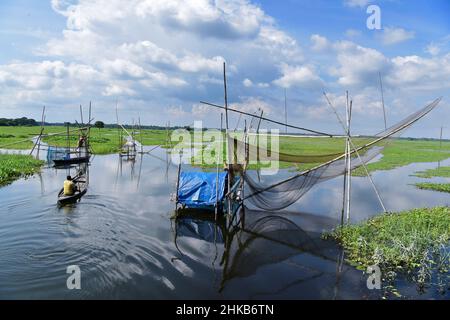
414	243
441	187
13	167
437	172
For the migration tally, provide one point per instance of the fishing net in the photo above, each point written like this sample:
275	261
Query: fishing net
57	153
284	193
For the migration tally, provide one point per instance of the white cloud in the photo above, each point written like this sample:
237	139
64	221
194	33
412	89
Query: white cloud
352	33
253	105
298	76
357	3
433	49
356	64
319	43
396	35
247	83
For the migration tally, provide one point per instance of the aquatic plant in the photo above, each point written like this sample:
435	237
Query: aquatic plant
441	187
437	172
13	167
414	243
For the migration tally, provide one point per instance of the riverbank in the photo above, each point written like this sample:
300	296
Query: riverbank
13	167
414	242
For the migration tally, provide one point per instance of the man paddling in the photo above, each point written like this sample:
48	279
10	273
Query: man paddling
69	187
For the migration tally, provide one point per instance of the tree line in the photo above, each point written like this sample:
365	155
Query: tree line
24	121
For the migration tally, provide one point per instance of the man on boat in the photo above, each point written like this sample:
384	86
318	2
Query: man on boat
69	187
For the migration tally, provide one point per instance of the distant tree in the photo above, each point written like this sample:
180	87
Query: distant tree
99	124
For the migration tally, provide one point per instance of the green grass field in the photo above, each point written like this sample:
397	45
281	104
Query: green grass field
103	141
13	167
399	152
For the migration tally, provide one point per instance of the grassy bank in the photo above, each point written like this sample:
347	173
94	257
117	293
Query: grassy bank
103	141
13	167
414	242
441	187
402	152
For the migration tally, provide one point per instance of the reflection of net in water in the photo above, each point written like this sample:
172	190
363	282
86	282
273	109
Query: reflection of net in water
284	193
268	240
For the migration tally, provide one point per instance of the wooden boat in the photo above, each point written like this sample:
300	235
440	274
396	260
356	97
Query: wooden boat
81	191
64	162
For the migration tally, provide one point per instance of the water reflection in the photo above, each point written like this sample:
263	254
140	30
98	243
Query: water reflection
122	236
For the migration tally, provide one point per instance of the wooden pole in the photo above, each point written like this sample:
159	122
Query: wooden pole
81	113
344	194
68	136
440	145
140	135
285	110
382	101
226	134
178	182
42	131
349	159
257	144
225	95
219	156
269	120
355	150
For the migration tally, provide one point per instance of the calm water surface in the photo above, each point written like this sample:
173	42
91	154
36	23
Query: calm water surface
122	238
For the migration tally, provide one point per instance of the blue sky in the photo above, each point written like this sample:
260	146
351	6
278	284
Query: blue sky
158	59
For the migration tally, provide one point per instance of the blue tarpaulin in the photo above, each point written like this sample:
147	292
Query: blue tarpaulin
198	189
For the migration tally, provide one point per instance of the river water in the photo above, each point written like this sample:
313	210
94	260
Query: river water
126	245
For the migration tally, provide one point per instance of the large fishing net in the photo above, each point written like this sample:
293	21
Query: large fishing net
282	194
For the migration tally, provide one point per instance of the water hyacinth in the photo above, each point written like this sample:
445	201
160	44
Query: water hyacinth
414	243
14	166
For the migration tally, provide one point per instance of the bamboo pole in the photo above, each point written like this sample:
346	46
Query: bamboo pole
285	110
42	131
382	101
140	135
219	156
440	145
357	153
178	182
349	160
226	134
270	120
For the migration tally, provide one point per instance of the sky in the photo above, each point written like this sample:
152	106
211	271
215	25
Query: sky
157	59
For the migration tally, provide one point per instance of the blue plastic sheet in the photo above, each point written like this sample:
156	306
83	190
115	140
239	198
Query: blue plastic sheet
198	189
